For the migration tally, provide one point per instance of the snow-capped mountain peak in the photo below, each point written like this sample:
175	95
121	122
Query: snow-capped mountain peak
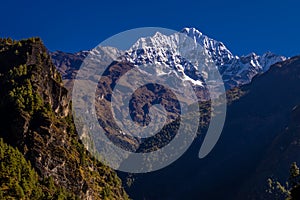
167	50
216	49
165	53
171	54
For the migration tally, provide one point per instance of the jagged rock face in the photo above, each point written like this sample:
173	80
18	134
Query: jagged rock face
27	63
36	118
69	65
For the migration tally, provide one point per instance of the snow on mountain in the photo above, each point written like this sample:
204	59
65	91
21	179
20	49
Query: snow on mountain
165	54
217	50
162	50
176	55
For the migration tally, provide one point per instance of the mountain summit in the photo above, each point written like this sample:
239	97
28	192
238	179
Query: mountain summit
235	70
162	51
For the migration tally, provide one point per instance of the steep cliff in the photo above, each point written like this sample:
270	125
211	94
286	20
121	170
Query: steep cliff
36	118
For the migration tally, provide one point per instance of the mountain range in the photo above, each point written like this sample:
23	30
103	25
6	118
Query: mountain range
47	158
167	53
255	117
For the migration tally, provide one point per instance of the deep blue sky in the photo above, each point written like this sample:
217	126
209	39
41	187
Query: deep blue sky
244	26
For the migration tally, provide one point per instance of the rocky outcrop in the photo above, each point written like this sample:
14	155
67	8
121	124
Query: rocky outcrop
36	118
